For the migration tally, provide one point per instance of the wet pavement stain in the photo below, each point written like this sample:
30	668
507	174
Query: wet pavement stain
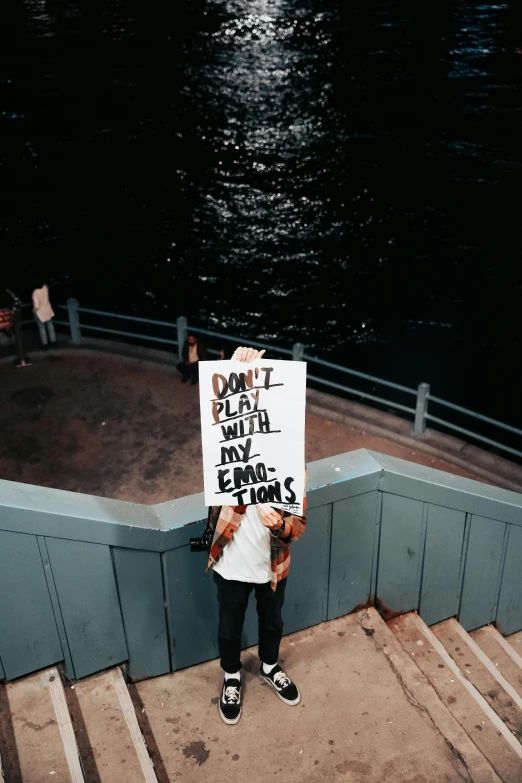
198	751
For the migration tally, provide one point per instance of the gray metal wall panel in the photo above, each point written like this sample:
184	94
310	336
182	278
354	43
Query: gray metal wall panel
509	612
29	638
306	597
86	586
353	537
140	586
407	479
340	489
442	560
481	577
400	554
192	608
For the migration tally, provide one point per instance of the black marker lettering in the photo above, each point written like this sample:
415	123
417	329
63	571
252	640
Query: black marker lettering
251	426
229	454
234	383
264	421
244	475
244	404
274	493
239	496
228	412
267	371
223	483
230	430
291	498
261	472
262	495
245	449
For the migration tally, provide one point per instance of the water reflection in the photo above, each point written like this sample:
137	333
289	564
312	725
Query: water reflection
282	169
475	37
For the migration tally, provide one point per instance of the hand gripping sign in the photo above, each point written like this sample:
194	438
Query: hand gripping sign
252	428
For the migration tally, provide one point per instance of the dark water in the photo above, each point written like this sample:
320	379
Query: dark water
342	173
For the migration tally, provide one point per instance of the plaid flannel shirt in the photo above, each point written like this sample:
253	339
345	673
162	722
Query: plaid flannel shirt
225	520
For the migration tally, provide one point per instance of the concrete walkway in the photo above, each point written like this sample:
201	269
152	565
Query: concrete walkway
380	703
127	428
355	722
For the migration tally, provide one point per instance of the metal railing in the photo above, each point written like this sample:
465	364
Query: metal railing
179	331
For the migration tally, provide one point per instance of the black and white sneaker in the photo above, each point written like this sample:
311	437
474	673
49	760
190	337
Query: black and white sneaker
230	701
283	685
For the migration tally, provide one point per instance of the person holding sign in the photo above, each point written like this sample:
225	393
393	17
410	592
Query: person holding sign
250	552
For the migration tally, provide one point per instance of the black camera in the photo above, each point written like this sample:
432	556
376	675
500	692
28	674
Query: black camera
204	543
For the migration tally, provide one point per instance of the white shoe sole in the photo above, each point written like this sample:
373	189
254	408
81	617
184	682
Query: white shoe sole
290	703
227	720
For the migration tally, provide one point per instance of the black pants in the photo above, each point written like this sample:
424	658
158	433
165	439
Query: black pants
189	371
233	600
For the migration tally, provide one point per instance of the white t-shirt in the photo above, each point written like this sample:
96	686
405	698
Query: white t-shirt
246	558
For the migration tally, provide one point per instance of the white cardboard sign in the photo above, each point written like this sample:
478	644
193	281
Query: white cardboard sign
252	430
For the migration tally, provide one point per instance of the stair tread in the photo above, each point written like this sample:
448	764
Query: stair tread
107	730
515	640
368	725
490	642
455	640
39	745
415	638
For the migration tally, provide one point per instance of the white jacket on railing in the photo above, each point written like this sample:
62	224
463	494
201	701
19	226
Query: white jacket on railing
42	305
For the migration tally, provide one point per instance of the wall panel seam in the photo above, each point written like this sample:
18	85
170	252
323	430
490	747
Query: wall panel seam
503	557
122	615
56	605
164	582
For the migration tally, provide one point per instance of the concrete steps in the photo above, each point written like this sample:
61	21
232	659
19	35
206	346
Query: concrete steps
85	733
38	742
394	701
507	662
112	730
468	688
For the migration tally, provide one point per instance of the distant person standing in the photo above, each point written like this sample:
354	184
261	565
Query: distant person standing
44	314
193	352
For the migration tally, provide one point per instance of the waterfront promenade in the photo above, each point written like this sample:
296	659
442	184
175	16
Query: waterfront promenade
90	420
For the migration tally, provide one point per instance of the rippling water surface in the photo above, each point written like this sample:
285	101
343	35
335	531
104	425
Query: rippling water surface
346	174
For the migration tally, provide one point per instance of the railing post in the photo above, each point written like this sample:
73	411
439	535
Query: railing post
74	321
421	409
181	323
298	350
